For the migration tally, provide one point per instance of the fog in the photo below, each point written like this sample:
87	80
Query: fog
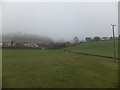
60	21
24	37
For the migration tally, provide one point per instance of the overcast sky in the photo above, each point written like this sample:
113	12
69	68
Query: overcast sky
60	21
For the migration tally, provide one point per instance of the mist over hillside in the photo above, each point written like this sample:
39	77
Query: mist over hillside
24	37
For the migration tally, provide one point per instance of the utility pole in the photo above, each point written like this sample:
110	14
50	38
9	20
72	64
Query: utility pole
113	28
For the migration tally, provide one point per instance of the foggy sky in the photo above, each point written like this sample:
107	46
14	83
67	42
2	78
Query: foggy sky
60	21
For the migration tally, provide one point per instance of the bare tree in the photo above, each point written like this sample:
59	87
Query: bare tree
76	39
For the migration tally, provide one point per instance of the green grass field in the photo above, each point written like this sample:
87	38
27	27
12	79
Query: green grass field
98	48
35	68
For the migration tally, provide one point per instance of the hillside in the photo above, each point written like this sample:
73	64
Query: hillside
105	48
23	37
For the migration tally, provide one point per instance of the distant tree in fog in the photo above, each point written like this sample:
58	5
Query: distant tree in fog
96	38
76	39
88	39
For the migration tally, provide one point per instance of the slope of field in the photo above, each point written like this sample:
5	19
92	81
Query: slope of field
34	68
105	48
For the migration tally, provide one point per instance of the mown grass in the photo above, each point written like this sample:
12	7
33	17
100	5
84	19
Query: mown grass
35	68
105	48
